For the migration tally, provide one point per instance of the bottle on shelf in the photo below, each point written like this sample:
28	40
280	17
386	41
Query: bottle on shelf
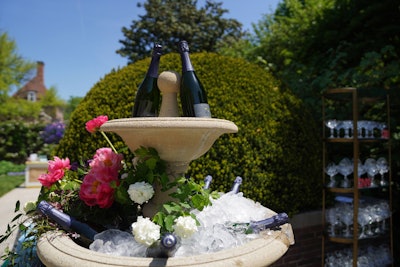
67	222
255	227
236	185
163	248
207	182
147	100
192	93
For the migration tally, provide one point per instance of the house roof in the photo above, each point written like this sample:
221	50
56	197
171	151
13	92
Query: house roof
36	84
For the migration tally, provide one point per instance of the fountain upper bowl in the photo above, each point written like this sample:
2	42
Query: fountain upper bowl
176	139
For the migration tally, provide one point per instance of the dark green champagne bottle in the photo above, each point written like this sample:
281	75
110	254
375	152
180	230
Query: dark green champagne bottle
147	100
192	93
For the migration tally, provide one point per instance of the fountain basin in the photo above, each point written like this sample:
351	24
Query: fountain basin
178	140
56	249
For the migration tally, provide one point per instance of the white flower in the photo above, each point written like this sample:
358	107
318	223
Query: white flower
145	231
185	226
29	206
140	192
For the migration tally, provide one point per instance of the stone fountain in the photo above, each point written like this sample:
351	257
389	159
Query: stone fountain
178	140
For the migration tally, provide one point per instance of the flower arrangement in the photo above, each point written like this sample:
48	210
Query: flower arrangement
108	193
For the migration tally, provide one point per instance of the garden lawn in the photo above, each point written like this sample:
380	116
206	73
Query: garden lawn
8	183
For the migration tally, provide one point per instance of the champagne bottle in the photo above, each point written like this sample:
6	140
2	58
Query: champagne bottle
207	182
192	93
164	248
236	184
255	227
147	100
67	222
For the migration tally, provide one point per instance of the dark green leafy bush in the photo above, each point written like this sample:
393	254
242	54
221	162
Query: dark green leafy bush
19	139
277	148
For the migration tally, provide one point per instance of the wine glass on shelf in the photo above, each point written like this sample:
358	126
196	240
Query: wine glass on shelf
372	170
331	218
360	127
347	218
360	171
331	169
383	167
347	125
384	211
368	213
345	168
370	126
331	124
363	221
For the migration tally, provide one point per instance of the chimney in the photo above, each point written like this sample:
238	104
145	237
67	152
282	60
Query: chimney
40	72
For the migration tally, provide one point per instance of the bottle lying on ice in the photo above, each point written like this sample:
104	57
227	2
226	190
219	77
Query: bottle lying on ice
67	222
257	226
163	248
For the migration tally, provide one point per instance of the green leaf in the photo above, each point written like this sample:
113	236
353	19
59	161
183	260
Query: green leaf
198	201
122	196
16	217
17	206
151	163
158	218
169	222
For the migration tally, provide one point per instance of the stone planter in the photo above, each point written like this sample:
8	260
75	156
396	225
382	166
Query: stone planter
56	249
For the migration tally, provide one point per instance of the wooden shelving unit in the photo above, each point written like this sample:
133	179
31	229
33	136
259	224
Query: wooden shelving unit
354	104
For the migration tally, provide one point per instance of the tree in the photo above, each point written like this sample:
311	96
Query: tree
316	44
51	99
14	69
169	21
72	103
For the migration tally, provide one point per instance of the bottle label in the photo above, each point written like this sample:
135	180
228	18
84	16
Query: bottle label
202	110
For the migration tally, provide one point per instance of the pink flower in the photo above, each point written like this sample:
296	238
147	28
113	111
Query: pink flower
105	160
93	125
97	190
55	172
59	164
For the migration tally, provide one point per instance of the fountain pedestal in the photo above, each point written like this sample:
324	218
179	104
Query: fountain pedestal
177	140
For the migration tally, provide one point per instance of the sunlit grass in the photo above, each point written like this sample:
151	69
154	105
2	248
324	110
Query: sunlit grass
8	183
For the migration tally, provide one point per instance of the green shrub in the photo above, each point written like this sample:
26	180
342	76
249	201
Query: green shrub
7	167
19	139
277	148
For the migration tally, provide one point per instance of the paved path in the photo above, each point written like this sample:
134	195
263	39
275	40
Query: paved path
7	206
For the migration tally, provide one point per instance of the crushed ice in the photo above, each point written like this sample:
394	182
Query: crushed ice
212	235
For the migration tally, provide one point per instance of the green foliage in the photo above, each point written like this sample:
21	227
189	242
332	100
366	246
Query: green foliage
19	139
319	44
276	151
7	166
189	195
19	109
13	67
9	182
168	22
51	99
71	105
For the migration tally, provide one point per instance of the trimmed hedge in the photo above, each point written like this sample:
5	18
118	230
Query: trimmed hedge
276	151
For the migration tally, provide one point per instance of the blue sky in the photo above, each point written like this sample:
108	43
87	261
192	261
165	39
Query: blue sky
77	39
